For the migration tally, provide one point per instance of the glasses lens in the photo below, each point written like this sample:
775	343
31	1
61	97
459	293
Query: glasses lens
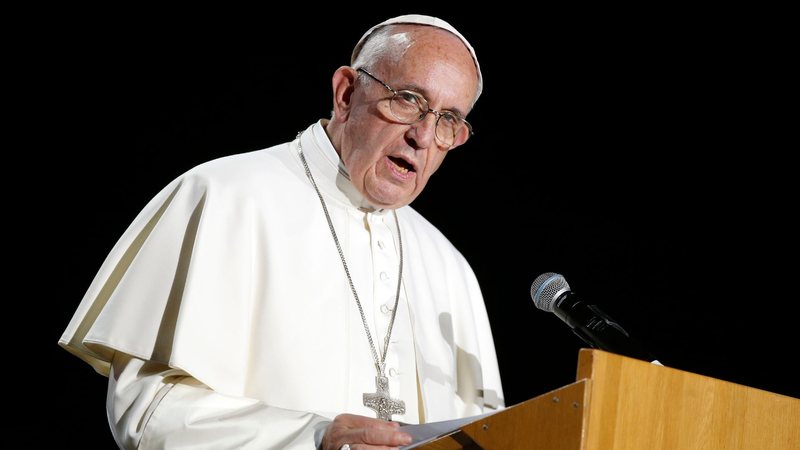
447	128
408	106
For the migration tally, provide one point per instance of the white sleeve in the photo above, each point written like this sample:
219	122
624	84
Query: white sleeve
153	406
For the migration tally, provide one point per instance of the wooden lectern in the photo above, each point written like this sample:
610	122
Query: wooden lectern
624	403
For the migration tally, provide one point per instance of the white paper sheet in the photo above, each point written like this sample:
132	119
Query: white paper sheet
426	432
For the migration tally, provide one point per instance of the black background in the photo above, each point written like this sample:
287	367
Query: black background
626	150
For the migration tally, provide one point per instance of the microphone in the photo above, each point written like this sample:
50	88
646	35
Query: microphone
550	292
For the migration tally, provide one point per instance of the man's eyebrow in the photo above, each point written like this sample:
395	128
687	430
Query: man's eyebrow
421	90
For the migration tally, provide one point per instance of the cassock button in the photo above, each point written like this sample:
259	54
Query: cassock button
384	276
385	309
381	245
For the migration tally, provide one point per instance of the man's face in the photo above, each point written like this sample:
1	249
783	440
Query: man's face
390	162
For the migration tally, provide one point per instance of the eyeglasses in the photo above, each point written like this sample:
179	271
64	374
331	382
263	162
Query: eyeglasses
411	107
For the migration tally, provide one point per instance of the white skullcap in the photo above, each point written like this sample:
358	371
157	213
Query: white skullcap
422	20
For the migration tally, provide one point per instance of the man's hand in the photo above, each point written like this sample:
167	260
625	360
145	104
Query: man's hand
363	433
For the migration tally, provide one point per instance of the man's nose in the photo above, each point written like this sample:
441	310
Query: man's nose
423	133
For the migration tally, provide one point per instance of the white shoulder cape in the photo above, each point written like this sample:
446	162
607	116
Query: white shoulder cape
227	274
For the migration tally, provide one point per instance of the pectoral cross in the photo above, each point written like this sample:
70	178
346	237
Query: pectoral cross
382	403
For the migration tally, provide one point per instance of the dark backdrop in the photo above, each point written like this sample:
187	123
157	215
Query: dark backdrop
621	149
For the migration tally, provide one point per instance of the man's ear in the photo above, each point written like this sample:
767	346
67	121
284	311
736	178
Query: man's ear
344	80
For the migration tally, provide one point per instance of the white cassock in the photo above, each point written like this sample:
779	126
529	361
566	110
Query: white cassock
228	317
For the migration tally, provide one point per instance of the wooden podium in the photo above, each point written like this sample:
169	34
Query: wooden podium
624	403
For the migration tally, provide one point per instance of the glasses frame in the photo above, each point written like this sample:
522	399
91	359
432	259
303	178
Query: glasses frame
422	115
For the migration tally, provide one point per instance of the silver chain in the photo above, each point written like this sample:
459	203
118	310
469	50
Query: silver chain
379	363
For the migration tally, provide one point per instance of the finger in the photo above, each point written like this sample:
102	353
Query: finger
383	435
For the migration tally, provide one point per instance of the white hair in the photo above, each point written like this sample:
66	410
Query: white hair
384	44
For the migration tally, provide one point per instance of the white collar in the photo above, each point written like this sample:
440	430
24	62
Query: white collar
329	171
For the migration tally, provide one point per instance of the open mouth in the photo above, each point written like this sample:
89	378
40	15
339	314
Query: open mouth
403	166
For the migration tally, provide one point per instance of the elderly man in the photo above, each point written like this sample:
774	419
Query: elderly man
290	297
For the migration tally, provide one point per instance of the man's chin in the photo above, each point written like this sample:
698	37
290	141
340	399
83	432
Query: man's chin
390	202
389	194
